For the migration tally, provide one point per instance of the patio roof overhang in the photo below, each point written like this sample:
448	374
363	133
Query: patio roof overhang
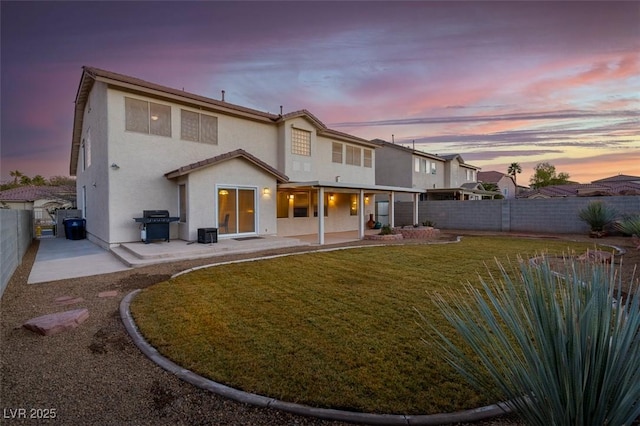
348	187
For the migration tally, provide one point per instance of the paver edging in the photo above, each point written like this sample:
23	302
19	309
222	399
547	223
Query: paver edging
472	415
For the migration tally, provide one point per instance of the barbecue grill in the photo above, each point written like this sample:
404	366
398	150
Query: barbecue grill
155	225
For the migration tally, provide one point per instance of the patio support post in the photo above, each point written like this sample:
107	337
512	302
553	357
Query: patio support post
392	209
361	214
321	215
416	198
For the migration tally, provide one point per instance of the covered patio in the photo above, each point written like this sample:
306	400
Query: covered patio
327	194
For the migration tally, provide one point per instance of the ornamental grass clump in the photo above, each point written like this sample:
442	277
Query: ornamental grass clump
561	347
598	216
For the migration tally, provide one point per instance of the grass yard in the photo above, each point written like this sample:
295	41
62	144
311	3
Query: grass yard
336	329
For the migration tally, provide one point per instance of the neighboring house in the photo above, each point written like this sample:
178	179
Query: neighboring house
445	177
141	146
42	200
505	183
614	185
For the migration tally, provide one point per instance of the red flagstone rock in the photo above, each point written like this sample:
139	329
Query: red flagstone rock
110	293
68	300
48	325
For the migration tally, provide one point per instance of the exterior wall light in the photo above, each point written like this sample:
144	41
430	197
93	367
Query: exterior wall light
331	197
266	191
114	166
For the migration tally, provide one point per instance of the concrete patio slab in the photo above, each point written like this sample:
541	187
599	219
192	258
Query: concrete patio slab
59	259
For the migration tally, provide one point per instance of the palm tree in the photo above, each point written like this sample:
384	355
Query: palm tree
512	170
16	175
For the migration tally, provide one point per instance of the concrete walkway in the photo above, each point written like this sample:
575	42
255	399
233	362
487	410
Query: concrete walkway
59	258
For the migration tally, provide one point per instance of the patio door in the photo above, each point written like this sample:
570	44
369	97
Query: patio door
236	210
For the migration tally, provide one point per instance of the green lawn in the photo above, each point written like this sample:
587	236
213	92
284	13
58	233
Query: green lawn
336	329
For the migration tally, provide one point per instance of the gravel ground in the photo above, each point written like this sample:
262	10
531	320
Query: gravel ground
94	374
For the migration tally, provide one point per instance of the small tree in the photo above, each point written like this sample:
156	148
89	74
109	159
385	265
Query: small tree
562	347
545	175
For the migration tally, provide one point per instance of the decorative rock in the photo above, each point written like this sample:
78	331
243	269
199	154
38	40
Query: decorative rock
48	325
110	293
68	300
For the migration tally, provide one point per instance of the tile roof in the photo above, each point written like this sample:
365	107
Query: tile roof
584	190
35	192
238	153
618	178
490	176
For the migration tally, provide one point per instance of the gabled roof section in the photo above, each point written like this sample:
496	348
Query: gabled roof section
322	129
492	176
238	153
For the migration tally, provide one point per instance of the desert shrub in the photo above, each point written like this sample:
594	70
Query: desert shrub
598	215
561	348
629	225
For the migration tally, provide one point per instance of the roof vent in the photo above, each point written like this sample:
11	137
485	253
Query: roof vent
223	96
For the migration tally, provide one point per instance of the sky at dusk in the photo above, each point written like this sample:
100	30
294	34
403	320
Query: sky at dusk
496	82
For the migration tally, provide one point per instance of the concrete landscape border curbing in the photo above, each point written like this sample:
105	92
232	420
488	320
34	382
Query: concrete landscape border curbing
472	415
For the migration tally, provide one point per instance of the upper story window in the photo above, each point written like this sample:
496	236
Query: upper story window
353	155
434	168
147	117
416	164
470	175
198	127
368	158
336	152
300	142
425	165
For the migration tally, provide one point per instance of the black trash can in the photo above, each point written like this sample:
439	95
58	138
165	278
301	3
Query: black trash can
75	228
207	235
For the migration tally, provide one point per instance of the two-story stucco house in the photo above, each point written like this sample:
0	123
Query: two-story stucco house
141	146
505	183
445	177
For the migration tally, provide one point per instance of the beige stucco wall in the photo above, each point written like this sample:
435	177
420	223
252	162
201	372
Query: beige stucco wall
92	179
319	166
144	159
202	189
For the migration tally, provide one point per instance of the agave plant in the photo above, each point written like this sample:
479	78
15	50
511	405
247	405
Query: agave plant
561	347
598	215
629	225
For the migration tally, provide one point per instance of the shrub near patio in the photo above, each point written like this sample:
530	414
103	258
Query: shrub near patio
335	329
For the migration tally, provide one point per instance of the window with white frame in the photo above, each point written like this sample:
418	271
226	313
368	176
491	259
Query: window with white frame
147	117
336	152
416	164
353	155
368	157
198	127
434	168
300	142
424	166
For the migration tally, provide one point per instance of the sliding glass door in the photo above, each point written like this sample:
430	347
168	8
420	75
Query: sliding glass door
236	210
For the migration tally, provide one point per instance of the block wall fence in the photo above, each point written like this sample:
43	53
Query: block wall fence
548	215
16	235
